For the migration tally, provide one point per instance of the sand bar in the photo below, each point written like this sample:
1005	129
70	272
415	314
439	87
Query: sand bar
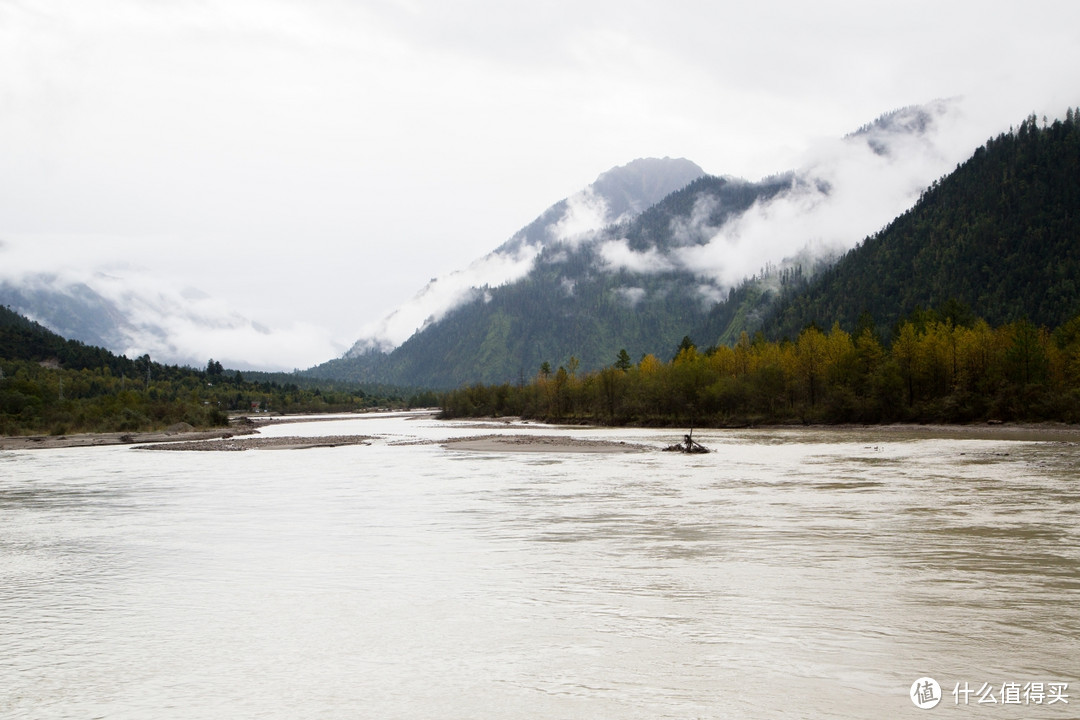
236	444
540	443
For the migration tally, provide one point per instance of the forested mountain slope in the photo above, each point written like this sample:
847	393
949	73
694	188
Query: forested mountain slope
576	302
616	196
1001	235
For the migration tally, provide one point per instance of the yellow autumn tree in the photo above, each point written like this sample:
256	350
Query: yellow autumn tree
811	354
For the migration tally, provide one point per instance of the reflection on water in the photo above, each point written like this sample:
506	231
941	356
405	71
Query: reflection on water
801	573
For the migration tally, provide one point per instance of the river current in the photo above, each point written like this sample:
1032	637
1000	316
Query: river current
797	573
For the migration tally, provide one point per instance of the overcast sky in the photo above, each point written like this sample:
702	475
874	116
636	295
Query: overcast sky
312	163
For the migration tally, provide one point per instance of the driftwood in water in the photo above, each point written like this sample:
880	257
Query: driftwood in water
688	445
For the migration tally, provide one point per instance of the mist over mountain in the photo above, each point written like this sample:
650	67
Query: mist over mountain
640	282
133	315
996	239
77	312
616	196
649	252
132	312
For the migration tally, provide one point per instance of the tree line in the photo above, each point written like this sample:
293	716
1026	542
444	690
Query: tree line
937	366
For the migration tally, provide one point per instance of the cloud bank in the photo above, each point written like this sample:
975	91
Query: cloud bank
845	190
443	294
145	313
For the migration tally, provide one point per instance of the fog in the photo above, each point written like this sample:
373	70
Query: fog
845	190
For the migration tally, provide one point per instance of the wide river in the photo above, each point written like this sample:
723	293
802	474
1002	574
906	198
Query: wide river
798	573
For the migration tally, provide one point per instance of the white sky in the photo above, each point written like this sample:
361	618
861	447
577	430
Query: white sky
310	164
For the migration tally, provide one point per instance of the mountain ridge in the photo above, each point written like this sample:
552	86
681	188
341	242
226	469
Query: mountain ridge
643	283
617	195
998	235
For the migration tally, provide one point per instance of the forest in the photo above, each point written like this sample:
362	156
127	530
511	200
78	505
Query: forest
937	366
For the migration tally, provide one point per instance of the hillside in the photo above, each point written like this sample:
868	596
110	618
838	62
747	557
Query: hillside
26	340
616	196
581	293
580	300
999	235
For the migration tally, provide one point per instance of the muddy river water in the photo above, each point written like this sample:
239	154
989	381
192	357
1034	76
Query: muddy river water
788	574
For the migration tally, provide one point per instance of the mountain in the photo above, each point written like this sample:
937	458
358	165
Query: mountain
616	196
998	235
76	312
582	291
23	339
111	312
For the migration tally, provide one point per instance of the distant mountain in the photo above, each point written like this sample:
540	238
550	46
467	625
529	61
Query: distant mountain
643	280
24	339
105	311
74	310
1001	235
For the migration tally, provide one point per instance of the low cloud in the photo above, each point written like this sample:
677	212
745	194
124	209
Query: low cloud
443	294
244	346
586	213
697	228
173	323
617	255
710	294
850	188
630	295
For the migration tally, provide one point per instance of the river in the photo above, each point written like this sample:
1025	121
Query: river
794	573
